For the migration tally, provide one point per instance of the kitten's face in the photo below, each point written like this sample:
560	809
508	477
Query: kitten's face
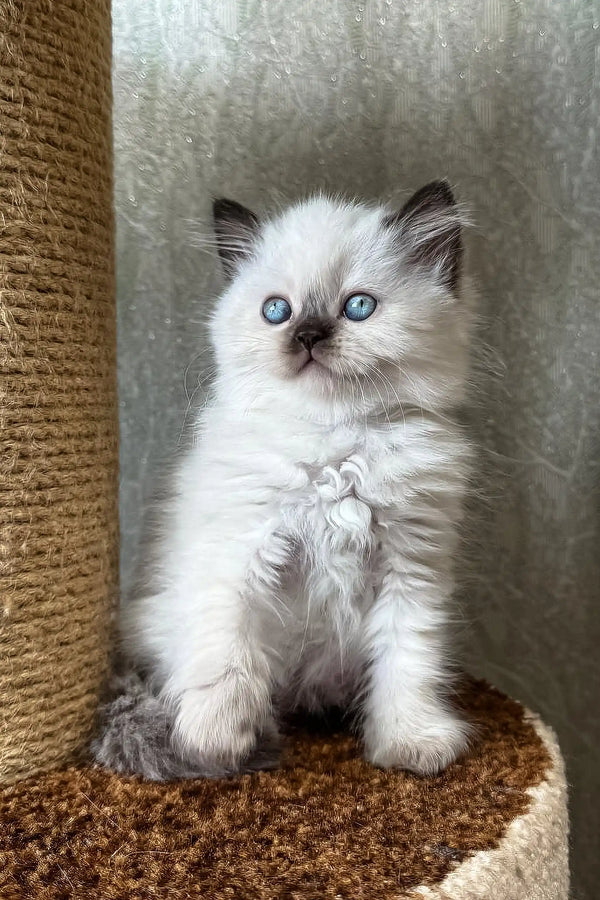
336	303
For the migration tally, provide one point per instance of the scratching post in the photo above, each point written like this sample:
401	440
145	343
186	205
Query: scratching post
58	427
326	824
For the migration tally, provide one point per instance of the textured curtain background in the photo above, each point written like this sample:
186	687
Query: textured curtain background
262	99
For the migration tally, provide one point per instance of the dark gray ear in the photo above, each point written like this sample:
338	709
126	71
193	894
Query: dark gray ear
430	228
235	229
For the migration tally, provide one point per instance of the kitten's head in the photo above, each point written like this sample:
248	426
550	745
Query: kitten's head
344	306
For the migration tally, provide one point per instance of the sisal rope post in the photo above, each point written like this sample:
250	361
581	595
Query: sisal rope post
58	411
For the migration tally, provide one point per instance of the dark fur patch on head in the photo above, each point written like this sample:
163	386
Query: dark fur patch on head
235	230
431	224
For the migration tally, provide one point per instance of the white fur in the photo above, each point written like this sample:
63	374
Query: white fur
307	553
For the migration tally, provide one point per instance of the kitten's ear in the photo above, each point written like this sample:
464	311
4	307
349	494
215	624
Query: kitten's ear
235	230
430	229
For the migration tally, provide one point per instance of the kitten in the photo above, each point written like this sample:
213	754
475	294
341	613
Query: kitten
307	555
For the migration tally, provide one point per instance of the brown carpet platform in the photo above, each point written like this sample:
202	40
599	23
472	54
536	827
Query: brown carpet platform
324	825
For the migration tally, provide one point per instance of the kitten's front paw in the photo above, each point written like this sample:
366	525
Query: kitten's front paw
223	722
426	746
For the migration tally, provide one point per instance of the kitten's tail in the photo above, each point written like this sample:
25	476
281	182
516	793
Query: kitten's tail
136	737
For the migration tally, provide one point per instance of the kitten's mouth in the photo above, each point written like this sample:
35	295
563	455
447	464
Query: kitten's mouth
312	364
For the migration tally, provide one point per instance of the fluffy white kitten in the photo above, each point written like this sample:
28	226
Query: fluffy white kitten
307	555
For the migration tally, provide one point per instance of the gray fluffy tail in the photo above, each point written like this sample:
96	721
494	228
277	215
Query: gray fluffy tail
136	737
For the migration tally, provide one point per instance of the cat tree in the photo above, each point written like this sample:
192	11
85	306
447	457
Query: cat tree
324	825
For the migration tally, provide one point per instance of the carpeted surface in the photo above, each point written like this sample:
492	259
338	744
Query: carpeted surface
325	825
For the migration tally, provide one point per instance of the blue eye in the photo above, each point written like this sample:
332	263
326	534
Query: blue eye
276	310
359	307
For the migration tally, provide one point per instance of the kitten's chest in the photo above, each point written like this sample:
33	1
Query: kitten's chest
343	490
337	503
334	530
335	521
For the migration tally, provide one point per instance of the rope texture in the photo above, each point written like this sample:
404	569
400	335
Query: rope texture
58	422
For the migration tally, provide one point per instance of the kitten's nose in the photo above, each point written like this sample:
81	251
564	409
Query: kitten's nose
310	336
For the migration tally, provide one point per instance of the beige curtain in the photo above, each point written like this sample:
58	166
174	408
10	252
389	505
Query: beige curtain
266	99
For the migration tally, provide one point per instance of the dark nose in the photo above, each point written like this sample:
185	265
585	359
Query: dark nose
308	337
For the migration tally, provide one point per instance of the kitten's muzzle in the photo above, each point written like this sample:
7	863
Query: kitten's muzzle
308	337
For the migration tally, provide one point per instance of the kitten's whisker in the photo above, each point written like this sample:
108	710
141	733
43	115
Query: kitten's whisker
395	393
383	406
199	385
190	364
